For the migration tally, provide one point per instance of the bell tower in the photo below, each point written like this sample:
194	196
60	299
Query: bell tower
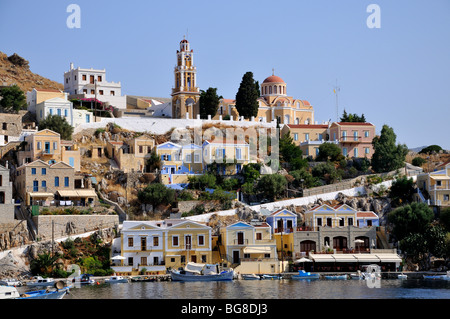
185	94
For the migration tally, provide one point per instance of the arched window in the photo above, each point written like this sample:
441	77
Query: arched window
270	90
275	89
297	121
286	119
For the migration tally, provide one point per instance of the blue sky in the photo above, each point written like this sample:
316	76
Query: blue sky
397	75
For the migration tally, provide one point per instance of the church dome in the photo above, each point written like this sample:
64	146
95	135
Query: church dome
273	79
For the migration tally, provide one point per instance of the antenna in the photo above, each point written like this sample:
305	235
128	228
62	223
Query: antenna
336	91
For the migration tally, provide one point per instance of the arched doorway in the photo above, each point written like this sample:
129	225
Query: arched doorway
340	243
307	246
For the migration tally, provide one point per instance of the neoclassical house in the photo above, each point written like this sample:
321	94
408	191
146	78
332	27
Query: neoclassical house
274	103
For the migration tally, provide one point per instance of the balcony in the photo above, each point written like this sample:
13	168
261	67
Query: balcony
350	139
47	152
240	242
185	89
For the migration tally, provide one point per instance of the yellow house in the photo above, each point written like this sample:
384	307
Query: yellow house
250	248
435	186
187	241
47	146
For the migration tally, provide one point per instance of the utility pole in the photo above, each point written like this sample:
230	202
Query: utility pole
336	90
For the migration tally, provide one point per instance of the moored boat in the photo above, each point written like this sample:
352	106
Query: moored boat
305	275
402	276
250	277
59	291
336	277
116	280
201	272
358	275
270	277
10	282
41	282
84	279
440	277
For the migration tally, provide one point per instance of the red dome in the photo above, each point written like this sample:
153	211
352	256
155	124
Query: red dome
273	78
184	41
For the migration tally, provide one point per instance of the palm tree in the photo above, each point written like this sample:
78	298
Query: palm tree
45	264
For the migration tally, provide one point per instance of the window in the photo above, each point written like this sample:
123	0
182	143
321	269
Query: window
344	135
130	261
39	145
366	133
355	135
91	78
319	221
88	118
99	78
141	149
197	158
258	236
130	242
188	158
238	153
350	221
329	222
33	171
35	186
55	145
44	171
306	136
56	181
341	222
344	151
44	184
84	77
355	152
66	181
295	136
58	111
66	112
175	241
51	111
92	91
155	241
100	92
143	261
446	197
112	93
201	240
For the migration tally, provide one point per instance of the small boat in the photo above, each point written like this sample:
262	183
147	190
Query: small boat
10	282
270	277
84	279
116	280
305	275
402	276
201	272
250	277
41	282
439	277
336	277
59	291
358	276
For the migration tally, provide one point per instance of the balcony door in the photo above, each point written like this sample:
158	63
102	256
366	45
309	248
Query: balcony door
240	238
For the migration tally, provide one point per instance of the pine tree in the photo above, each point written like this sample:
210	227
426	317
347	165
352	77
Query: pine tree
247	95
387	156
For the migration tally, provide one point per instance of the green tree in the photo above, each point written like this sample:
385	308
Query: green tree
290	153
154	161
410	219
418	161
209	102
251	172
45	264
430	149
272	186
57	124
201	182
246	97
387	155
156	194
303	178
444	218
402	190
12	98
327	172
329	152
352	117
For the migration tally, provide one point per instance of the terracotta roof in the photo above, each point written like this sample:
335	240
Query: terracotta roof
366	214
306	102
273	78
312	126
354	123
228	101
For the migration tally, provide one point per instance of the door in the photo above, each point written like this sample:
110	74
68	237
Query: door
240	238
47	147
236	259
188	241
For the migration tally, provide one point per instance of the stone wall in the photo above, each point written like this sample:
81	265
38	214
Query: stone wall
66	225
14	234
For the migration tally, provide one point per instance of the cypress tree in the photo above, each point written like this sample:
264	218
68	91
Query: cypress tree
247	95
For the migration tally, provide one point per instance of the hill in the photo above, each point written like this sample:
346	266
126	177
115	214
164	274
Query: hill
16	70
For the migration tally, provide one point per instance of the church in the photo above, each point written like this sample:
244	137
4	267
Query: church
274	103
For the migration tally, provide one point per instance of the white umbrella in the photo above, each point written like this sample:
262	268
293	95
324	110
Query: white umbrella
118	257
359	241
302	260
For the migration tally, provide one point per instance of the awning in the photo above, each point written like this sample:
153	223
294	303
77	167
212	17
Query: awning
371	258
389	258
67	193
322	258
257	250
344	258
440	177
86	193
41	194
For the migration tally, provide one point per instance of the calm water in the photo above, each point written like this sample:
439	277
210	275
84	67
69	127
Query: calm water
268	289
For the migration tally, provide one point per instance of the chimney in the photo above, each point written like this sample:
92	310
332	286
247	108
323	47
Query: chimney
71	65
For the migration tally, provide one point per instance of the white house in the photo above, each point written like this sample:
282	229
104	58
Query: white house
88	83
55	106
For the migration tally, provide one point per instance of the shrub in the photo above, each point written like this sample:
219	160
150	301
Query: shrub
418	161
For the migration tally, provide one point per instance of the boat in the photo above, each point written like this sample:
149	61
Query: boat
59	291
440	277
305	275
84	279
116	280
336	277
250	277
10	282
402	276
270	277
358	275
41	282
201	272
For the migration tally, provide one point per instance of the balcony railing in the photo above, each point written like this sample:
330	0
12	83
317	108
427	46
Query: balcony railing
284	230
350	139
240	242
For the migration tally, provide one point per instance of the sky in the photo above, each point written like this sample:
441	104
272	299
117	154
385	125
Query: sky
396	74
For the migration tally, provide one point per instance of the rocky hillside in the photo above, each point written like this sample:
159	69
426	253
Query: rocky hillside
16	70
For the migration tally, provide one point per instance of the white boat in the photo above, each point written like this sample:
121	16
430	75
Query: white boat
84	279
116	280
402	276
10	282
442	277
358	276
250	277
58	292
201	272
41	282
336	277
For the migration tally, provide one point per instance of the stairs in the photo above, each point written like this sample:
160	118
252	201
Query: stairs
382	240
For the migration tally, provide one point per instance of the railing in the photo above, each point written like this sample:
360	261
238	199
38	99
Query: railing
350	139
240	242
439	188
284	230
